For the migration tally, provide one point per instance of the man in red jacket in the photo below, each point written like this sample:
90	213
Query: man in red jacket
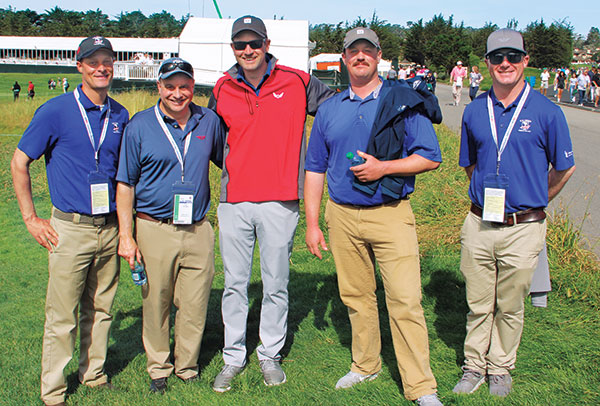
264	107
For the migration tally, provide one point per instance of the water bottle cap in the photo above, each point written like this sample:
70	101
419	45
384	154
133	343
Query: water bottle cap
349	155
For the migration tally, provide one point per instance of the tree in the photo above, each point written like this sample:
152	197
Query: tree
22	23
479	38
329	38
549	46
414	43
129	25
161	25
593	38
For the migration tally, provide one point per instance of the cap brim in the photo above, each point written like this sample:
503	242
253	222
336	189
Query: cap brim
173	72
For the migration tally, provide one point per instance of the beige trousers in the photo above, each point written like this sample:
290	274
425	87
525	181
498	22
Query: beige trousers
179	261
386	234
83	273
497	264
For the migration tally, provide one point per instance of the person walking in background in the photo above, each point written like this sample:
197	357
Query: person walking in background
456	77
509	139
573	87
80	135
16	89
30	90
545	78
369	215
173	238
65	85
402	73
431	81
561	81
583	83
392	74
264	106
475	79
595	83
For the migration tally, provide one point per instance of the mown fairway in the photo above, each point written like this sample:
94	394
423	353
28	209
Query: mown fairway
559	358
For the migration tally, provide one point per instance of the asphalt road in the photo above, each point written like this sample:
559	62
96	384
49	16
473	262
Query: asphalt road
581	196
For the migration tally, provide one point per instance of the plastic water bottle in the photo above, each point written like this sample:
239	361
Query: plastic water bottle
138	274
355	159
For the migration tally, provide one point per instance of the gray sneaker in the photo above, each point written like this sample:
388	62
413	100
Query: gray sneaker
500	385
429	400
353	378
272	372
223	380
470	381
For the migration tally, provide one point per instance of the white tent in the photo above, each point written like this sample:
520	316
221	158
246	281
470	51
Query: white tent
205	43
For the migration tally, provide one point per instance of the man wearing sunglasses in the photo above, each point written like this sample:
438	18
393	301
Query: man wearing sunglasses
264	107
163	169
79	134
510	135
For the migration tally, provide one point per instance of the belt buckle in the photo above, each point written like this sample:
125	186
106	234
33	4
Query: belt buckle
99	221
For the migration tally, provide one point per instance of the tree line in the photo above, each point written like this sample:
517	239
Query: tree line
437	43
66	23
440	42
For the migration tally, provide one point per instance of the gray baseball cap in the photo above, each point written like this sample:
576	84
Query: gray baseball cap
361	33
505	38
249	23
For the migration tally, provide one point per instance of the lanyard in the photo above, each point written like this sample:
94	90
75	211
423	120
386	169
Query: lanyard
172	141
513	120
86	121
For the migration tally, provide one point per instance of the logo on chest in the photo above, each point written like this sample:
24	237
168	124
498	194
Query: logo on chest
278	95
525	126
115	128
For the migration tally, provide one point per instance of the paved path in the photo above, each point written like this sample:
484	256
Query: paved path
581	195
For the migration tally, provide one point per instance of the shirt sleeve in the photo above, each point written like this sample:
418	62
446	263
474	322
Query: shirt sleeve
421	138
316	93
468	151
41	133
559	149
129	158
317	155
218	142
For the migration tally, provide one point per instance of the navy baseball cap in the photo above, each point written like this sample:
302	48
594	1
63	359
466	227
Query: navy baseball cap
92	44
171	66
249	23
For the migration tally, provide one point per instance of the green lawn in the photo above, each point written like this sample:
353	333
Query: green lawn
558	364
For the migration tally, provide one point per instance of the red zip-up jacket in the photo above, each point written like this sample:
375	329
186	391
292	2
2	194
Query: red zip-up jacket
266	141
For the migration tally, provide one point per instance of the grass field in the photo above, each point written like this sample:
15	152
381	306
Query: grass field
559	358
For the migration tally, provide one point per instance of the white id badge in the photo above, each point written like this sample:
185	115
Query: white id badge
183	202
493	204
183	207
494	198
99	193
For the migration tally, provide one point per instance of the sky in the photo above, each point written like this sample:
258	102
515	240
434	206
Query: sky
581	15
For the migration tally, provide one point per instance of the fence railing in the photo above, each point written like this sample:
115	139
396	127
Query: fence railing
133	71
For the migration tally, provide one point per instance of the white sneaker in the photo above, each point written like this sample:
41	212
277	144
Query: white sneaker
429	400
352	378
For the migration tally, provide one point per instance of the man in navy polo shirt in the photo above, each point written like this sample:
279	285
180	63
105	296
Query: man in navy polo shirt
79	134
164	168
510	135
369	215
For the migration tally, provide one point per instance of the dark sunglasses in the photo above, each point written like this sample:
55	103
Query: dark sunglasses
254	44
512	57
171	66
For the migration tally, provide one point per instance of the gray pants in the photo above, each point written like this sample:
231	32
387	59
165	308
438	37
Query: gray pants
273	224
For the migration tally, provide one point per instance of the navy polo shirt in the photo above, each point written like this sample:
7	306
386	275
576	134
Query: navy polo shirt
343	124
58	132
149	163
540	136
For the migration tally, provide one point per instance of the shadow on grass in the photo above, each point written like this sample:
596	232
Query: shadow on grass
450	309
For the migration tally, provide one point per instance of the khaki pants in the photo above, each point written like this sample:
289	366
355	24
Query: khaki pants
179	261
386	234
497	264
83	275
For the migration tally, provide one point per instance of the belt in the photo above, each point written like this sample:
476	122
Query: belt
510	219
77	218
148	217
